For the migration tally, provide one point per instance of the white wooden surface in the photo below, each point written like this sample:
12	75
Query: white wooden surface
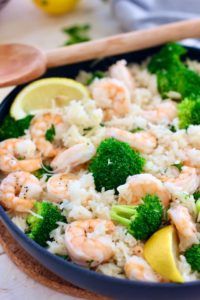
21	22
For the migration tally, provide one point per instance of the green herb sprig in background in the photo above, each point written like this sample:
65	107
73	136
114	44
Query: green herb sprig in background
77	34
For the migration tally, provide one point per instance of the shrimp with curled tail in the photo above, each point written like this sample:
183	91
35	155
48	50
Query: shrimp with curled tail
73	156
121	72
188	181
18	155
84	246
187	231
137	268
166	111
38	129
57	186
138	186
112	96
142	141
19	190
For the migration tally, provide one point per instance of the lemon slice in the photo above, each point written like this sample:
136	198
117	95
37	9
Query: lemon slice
47	93
161	250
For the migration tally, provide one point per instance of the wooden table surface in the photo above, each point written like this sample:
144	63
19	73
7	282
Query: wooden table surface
21	22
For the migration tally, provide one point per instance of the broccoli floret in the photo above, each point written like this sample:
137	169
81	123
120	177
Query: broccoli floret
113	163
45	218
170	54
189	112
173	74
197	205
193	257
141	220
179	79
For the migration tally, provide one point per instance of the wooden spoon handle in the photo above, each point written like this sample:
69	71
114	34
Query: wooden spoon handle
123	43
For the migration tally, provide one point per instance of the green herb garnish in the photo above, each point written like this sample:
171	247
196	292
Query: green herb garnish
136	129
172	128
77	34
179	166
94	75
45	170
50	133
65	257
11	128
196	195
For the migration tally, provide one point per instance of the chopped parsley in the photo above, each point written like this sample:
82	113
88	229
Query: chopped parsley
45	170
196	195
94	75
172	128
50	133
179	166
11	128
77	34
65	257
137	129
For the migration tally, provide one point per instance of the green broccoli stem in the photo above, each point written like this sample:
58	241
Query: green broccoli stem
123	214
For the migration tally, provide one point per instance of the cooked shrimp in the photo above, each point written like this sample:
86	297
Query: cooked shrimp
142	141
192	158
137	268
39	126
19	191
120	71
138	186
185	226
57	186
112	96
166	111
85	245
18	155
188	181
72	157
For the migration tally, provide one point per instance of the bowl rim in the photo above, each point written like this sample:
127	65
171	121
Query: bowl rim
109	279
116	280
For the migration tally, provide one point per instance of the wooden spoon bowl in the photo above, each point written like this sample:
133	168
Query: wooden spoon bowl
20	63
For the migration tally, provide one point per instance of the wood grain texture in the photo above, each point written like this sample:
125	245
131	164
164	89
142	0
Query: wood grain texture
37	272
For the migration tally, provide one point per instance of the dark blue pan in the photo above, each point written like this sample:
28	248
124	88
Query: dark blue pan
108	286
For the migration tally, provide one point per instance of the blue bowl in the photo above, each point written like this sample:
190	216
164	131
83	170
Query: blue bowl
115	288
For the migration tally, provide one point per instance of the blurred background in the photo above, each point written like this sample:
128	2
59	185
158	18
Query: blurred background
42	22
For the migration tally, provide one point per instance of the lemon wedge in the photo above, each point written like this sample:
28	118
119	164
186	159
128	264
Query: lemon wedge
56	7
47	93
161	250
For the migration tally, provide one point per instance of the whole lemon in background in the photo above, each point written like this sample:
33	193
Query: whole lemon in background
56	7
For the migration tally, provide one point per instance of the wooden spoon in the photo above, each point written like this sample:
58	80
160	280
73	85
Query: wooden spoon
22	63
